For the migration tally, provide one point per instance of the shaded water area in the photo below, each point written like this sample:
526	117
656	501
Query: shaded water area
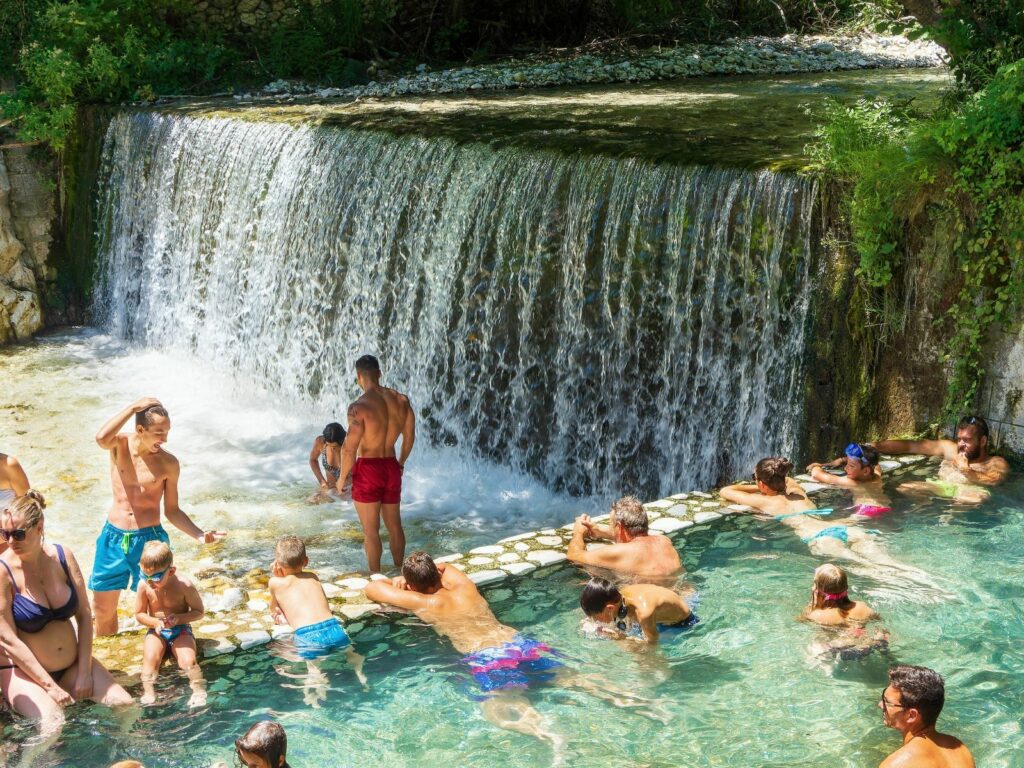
747	660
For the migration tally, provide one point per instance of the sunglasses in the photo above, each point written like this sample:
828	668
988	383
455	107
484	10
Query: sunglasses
886	704
157	577
18	534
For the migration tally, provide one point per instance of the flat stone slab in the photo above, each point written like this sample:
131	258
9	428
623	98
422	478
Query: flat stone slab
448	558
889	464
517	537
521	547
550	541
814	487
281	630
488	550
257	605
482	578
660	504
360	609
509	557
519	569
332	590
480	561
546	557
678	510
247	640
211	629
670	524
219	648
706	517
353	583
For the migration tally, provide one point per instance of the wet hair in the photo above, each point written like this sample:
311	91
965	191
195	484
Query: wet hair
156	556
772	472
420	571
367	364
265	739
978	422
334	433
920	688
290	551
144	418
29	507
830	579
597	594
631	515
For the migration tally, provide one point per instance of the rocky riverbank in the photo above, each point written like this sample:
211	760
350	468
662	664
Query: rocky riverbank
756	55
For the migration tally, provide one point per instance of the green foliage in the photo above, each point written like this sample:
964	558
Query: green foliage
961	172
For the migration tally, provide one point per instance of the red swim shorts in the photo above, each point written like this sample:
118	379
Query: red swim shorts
377	480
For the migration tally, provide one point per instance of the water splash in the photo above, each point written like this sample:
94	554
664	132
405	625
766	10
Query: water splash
608	325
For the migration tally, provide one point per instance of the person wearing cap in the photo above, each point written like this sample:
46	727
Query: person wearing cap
863	479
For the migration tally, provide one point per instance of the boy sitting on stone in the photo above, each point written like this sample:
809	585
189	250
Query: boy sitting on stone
297	598
168	604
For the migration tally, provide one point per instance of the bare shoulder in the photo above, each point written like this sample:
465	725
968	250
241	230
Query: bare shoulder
309	576
186	582
10	461
826	617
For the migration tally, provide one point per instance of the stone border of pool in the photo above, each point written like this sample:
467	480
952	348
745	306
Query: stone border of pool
245	621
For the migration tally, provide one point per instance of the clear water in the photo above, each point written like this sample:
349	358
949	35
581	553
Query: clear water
244	457
740	689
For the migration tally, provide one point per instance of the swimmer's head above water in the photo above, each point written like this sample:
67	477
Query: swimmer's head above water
265	745
601	600
334	433
421	573
831	587
861	461
770	475
628	519
290	556
152	426
972	437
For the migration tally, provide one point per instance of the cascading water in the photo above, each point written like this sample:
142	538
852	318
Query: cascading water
609	325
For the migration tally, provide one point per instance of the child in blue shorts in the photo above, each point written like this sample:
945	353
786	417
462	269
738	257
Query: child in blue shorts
297	598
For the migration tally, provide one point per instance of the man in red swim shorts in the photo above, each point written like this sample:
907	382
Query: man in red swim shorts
375	422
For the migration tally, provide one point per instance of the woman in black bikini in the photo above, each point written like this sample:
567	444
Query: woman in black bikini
44	665
325	457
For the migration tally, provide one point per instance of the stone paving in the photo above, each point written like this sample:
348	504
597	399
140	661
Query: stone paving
238	616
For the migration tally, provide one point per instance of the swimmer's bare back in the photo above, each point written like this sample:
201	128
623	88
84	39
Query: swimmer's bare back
383	413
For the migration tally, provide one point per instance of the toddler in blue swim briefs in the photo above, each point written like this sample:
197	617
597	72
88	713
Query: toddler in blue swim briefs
297	598
168	603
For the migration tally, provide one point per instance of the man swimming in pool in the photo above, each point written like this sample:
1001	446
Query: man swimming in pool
966	463
502	661
142	474
638	611
375	422
863	479
635	552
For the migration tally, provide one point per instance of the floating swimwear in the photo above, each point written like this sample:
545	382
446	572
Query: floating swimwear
377	480
170	634
116	565
515	664
314	640
30	616
870	510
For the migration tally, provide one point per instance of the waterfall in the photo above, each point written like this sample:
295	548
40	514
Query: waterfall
609	325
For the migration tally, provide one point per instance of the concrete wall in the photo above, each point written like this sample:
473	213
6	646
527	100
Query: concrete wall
1001	399
27	219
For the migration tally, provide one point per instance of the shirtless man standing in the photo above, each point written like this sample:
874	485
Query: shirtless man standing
966	463
635	552
375	422
141	474
911	704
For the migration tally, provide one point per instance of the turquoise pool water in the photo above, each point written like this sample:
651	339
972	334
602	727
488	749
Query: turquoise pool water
741	689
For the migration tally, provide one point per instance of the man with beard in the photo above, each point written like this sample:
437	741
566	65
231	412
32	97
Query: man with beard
911	704
966	463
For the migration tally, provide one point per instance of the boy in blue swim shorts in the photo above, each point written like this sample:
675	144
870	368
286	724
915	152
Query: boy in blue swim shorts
297	598
168	604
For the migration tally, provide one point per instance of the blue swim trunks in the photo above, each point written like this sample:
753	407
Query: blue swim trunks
515	664
116	564
172	634
315	640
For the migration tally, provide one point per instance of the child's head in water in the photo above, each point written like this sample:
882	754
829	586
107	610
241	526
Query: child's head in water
830	587
263	746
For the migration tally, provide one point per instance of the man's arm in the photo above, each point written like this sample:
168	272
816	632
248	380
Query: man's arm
577	552
106	438
408	433
821	476
174	514
350	448
944	448
385	592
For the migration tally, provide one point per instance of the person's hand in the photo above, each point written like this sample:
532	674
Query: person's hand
401	469
279	616
169	620
82	688
143	403
325	486
399	582
581	525
962	463
813	466
211	536
59	695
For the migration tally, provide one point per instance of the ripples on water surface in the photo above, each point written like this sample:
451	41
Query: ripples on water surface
740	689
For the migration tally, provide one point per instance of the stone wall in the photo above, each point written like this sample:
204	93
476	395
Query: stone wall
246	16
1001	399
27	216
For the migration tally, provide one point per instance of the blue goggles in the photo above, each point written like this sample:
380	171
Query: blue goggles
854	451
157	577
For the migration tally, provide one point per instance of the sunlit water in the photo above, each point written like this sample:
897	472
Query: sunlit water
244	458
740	690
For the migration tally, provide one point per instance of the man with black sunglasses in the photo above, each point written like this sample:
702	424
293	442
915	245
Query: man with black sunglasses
967	467
911	704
